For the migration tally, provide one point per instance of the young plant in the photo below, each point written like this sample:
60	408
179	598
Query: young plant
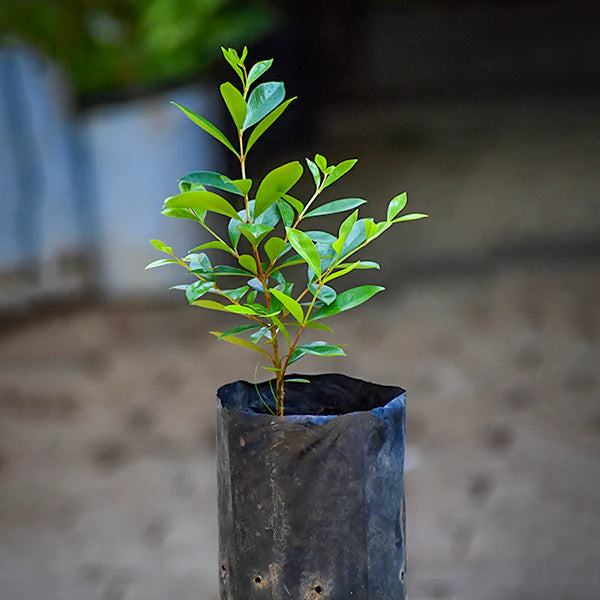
266	235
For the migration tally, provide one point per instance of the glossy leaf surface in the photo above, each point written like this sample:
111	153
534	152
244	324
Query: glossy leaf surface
339	170
410	217
180	213
274	247
347	300
162	246
304	246
198	289
336	206
258	69
202	201
216	244
318	348
263	99
160	262
211	179
396	205
265	123
207	126
233	339
276	183
290	304
236	105
247	262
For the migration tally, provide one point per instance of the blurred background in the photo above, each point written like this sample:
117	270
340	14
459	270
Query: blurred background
486	112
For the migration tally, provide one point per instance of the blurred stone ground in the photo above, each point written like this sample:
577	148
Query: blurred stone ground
107	463
492	323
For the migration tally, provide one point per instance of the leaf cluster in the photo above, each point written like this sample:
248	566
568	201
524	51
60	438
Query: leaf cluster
269	233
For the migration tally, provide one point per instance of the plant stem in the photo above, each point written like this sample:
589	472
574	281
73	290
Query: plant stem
279	394
263	277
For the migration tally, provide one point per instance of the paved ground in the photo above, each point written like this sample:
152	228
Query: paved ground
106	414
106	449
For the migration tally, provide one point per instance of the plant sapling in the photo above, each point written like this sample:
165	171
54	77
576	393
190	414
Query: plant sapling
267	235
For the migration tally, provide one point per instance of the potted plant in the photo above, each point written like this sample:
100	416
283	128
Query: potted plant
310	467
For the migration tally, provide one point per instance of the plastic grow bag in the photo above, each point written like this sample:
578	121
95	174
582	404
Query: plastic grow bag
311	505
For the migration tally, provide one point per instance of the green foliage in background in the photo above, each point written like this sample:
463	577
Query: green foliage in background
129	44
269	234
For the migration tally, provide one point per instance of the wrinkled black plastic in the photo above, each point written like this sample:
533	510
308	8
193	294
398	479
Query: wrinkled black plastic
311	505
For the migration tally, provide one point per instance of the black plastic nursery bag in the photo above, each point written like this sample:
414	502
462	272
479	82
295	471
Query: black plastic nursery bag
311	505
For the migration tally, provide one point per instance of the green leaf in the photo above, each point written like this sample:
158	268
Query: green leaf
356	237
217	245
240	310
232	58
344	271
281	327
304	246
263	310
294	202
396	205
410	217
291	305
248	262
274	247
258	69
345	229
258	335
256	284
180	213
326	294
210	304
237	294
278	277
236	105
238	329
336	206
252	296
223	270
347	300
292	261
286	212
234	233
269	217
233	339
266	123
276	183
263	99
317	348
161	246
339	170
321	162
321	237
199	262
202	201
211	179
317	325
368	264
207	126
254	232
314	171
370	228
322	349
160	262
297	380
197	290
243	185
